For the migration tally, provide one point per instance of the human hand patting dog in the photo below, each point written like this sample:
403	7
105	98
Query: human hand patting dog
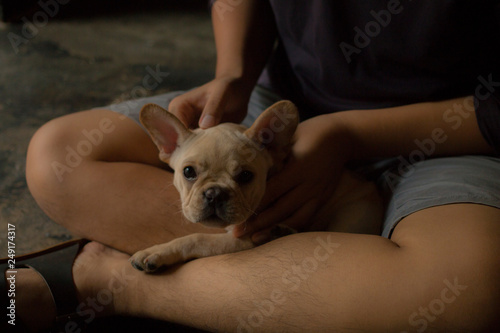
313	170
221	175
222	99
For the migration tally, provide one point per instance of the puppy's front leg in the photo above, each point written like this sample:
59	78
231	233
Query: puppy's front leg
186	248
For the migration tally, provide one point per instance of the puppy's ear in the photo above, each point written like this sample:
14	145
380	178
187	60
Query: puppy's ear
275	127
166	130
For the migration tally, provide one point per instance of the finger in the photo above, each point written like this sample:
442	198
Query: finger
280	184
240	230
262	236
213	110
278	189
272	215
300	220
303	217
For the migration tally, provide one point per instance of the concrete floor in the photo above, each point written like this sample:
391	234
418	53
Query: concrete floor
77	62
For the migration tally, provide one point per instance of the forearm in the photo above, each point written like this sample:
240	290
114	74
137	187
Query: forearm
244	37
431	129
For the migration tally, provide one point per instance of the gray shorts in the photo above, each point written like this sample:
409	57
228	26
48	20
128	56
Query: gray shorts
407	185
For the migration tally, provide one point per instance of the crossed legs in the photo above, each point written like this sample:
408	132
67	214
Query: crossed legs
98	174
440	268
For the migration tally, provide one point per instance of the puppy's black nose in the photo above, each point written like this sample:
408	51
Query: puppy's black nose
215	195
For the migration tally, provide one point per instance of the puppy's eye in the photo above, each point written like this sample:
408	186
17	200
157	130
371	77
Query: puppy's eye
189	173
244	177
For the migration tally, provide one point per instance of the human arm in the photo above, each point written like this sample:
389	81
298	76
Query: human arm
324	144
450	124
244	37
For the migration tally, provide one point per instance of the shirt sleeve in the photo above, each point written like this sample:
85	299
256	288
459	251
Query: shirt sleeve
488	115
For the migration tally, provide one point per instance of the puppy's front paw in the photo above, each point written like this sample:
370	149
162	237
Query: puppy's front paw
144	261
153	258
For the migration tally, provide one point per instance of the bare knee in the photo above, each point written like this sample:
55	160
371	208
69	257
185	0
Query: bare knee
67	149
47	162
63	146
45	148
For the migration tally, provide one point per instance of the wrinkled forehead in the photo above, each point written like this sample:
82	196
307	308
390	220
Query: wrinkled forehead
224	146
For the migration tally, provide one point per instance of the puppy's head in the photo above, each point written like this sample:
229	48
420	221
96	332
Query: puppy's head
221	172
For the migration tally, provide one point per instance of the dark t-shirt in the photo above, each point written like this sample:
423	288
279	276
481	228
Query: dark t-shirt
350	54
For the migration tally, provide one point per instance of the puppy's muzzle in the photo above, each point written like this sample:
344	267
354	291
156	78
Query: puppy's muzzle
216	209
215	197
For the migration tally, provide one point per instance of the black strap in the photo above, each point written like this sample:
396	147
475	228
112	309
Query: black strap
55	266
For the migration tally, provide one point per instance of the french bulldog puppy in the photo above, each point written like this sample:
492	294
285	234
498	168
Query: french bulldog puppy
221	173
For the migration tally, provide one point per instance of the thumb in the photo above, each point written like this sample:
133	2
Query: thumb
240	230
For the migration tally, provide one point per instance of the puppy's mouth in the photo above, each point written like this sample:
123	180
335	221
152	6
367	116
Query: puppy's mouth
217	220
214	221
217	208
